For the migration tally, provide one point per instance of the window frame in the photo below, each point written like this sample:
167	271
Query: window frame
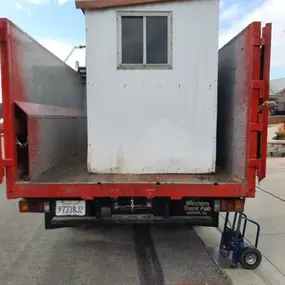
144	65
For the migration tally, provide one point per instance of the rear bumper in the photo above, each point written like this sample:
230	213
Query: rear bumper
52	222
133	210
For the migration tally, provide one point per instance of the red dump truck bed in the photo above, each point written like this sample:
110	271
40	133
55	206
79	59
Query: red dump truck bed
45	133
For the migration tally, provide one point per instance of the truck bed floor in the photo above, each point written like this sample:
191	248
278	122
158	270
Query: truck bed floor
75	171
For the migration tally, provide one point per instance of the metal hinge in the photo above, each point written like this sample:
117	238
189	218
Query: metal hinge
259	42
7	162
259	85
22	145
256	163
257	127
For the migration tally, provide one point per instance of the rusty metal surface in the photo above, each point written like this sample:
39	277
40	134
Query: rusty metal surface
74	170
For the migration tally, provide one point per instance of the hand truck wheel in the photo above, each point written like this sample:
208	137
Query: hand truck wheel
250	258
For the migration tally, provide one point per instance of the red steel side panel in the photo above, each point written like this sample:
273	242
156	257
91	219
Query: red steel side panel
9	128
266	49
1	159
2	39
254	57
258	111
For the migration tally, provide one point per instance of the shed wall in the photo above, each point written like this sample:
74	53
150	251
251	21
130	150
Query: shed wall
154	121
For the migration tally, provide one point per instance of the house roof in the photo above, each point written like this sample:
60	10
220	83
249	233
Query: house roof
276	86
103	4
282	91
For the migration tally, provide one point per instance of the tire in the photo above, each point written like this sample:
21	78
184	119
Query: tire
250	258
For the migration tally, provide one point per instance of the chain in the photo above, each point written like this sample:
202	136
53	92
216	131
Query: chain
22	145
132	203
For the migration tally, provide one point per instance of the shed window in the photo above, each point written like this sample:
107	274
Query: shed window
144	40
132	40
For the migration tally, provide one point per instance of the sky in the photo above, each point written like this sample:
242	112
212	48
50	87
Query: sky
59	26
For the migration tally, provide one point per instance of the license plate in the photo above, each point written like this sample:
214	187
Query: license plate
70	208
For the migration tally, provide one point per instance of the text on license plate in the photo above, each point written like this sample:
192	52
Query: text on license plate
70	208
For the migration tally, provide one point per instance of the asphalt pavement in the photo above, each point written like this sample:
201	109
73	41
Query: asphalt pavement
102	255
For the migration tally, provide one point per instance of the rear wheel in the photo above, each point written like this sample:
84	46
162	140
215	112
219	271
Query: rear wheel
250	258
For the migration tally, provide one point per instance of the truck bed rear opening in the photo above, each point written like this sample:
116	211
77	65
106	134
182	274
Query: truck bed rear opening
74	170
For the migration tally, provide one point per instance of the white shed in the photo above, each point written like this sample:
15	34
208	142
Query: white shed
151	85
